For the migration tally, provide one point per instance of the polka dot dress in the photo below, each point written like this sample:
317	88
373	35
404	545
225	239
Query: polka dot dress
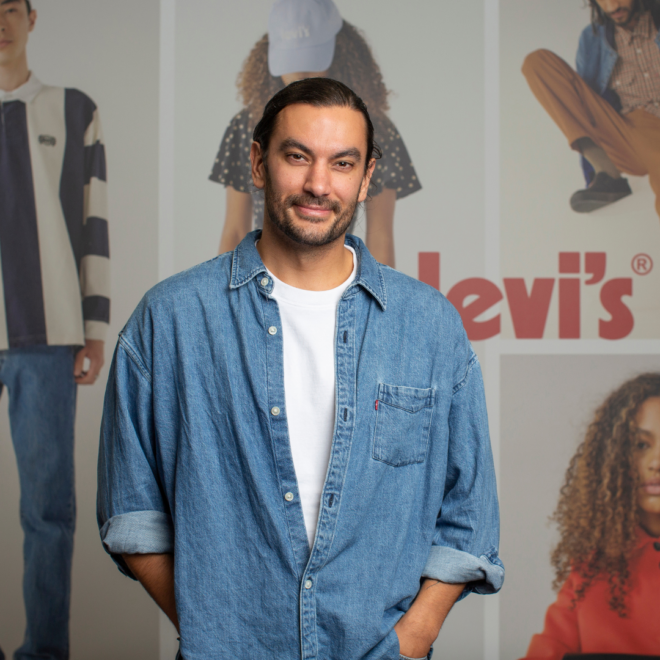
232	163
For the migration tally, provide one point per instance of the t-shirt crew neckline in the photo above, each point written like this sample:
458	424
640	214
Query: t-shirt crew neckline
305	298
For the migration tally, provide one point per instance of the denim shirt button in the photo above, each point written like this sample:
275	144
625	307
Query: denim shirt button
272	330
308	584
275	411
264	282
288	497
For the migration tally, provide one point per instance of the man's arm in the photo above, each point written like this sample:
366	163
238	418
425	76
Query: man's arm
419	627
156	575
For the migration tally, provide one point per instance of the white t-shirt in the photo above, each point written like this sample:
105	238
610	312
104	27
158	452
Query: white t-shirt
309	321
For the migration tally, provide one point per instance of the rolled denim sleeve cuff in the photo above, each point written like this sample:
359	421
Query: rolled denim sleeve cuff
139	532
483	575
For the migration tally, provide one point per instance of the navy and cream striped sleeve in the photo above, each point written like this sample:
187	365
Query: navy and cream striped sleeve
95	252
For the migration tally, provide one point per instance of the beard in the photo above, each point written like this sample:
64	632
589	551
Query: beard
633	13
277	208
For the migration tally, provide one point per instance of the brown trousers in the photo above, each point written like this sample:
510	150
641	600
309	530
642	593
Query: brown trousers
631	141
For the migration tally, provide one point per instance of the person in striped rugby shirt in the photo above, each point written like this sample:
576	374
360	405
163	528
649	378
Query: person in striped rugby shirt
54	309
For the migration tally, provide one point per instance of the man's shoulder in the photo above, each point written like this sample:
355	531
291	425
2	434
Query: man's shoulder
78	98
177	302
405	292
197	280
73	95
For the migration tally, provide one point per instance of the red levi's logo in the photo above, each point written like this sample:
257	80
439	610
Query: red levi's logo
529	308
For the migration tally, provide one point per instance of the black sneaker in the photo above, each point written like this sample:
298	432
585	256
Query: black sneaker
602	191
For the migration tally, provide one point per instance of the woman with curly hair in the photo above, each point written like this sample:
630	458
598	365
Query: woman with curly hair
607	561
308	38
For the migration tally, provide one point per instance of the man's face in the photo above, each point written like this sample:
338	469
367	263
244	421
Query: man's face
15	26
622	12
314	173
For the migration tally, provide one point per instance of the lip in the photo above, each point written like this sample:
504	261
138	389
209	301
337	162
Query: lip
4	42
620	13
652	487
312	211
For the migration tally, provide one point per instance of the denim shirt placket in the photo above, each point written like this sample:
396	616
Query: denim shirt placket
309	564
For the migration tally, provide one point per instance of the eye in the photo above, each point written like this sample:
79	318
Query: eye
642	444
296	158
344	164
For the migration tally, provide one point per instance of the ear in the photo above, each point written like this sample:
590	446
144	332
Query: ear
32	18
258	166
366	179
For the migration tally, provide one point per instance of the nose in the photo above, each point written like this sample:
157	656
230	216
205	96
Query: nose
654	463
608	6
317	182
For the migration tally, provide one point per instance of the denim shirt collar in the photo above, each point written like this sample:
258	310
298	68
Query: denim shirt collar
247	264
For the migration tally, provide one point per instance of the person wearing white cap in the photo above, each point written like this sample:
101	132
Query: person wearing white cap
306	39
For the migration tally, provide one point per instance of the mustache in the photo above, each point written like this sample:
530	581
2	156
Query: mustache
310	200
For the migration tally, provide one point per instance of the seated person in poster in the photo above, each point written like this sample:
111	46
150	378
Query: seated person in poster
308	38
609	520
610	108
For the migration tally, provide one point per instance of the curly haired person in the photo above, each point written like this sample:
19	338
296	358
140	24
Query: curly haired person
609	109
308	38
607	560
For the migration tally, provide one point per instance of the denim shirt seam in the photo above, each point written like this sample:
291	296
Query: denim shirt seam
135	357
468	369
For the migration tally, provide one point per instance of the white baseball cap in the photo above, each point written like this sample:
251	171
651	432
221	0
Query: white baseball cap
301	35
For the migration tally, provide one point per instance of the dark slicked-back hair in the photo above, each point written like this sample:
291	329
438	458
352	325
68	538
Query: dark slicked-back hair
320	93
598	16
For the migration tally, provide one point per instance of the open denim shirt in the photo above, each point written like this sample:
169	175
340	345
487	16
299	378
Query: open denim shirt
195	460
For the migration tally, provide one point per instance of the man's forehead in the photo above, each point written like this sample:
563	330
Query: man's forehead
338	124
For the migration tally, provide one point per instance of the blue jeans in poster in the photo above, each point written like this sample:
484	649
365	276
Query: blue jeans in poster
42	403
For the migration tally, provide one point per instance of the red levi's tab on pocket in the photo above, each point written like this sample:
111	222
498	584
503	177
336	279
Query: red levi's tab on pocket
376	404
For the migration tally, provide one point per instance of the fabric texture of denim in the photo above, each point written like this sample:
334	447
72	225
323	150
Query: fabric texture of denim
42	404
195	460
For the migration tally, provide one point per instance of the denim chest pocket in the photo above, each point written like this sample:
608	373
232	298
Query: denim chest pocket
403	424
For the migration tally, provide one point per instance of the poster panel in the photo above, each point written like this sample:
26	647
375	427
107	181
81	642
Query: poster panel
548	404
570	270
438	112
432	135
110	52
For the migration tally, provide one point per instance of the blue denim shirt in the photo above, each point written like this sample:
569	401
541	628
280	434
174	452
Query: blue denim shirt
195	460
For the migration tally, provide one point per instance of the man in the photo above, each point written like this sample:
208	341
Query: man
53	301
294	457
610	109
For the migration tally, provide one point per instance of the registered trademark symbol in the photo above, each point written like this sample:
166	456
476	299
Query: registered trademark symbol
642	264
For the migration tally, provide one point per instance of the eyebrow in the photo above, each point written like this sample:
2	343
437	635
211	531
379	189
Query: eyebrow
8	2
351	152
